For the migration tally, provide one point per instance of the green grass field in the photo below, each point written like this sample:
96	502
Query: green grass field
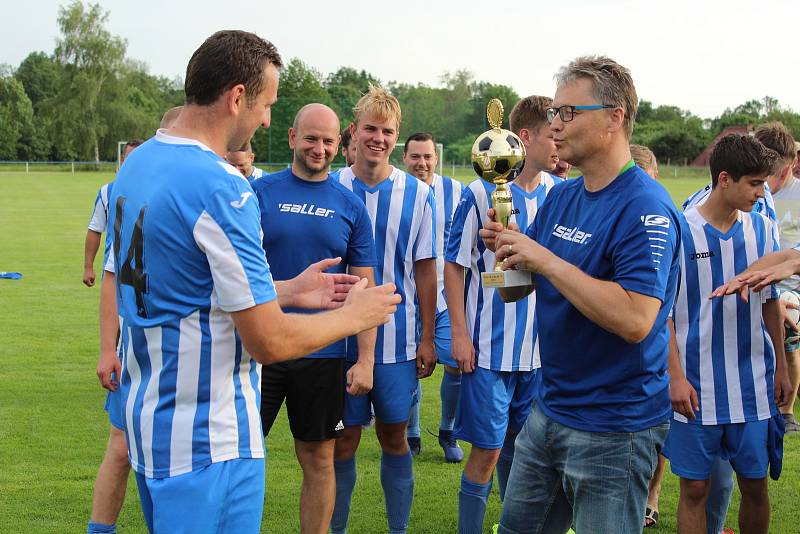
53	429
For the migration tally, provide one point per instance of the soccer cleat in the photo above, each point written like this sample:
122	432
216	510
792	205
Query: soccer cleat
790	423
414	445
452	451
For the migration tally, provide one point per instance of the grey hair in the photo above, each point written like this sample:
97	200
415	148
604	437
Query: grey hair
612	84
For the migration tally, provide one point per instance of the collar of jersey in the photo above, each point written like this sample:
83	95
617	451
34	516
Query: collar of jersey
390	179
714	231
162	137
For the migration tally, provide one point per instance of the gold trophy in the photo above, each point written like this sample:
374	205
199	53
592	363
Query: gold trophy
497	157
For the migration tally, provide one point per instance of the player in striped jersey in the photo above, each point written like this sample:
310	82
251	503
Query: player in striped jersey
97	223
776	137
420	158
198	308
727	365
495	344
401	209
112	476
242	159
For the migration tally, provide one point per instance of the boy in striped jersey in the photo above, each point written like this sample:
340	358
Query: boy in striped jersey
774	136
727	365
495	344
198	307
401	209
419	157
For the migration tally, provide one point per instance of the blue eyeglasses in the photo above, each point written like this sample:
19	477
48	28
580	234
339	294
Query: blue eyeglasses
567	113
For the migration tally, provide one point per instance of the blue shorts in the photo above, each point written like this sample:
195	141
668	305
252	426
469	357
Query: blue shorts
692	449
492	402
442	339
393	388
115	409
222	497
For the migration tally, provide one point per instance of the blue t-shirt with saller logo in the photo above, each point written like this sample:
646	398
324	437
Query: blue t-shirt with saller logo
304	222
628	233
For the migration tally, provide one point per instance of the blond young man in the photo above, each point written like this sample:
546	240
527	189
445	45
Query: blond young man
402	212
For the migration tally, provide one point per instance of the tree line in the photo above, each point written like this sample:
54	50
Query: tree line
78	101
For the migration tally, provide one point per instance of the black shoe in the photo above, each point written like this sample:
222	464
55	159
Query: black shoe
415	445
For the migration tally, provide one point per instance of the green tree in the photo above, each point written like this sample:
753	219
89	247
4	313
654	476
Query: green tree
91	56
16	116
41	75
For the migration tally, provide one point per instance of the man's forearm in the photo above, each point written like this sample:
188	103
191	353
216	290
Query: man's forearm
90	248
603	302
425	278
674	367
366	339
109	318
454	296
771	312
771	260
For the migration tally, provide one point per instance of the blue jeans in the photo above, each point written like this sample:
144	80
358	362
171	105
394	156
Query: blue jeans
596	480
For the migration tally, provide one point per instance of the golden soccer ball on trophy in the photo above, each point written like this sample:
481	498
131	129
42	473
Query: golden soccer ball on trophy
497	154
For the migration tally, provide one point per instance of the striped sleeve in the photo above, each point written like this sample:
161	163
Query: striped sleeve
463	231
99	218
425	242
228	232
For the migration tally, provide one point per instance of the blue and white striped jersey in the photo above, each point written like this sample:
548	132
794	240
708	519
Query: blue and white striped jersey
100	212
504	335
401	209
765	206
187	252
725	349
446	193
257	174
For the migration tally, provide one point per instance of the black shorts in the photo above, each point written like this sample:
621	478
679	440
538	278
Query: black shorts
314	391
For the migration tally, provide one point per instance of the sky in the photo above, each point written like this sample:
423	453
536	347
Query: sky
699	55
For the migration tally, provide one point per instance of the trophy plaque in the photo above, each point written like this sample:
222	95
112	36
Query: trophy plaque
497	157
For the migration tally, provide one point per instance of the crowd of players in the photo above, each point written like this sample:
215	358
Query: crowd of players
350	286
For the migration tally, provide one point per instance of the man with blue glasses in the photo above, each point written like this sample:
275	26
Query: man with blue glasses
603	250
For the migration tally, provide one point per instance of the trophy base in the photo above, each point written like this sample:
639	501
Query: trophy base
509	278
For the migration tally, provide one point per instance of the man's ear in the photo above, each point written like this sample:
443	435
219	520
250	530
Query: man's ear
235	98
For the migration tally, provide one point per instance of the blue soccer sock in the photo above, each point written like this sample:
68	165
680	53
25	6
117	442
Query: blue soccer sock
450	391
345	483
412	430
504	464
100	528
472	505
397	479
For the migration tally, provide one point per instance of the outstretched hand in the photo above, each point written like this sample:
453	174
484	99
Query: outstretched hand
316	289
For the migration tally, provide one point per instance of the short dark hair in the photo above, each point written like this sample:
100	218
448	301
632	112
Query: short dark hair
346	136
776	136
419	137
529	113
741	155
133	143
228	58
